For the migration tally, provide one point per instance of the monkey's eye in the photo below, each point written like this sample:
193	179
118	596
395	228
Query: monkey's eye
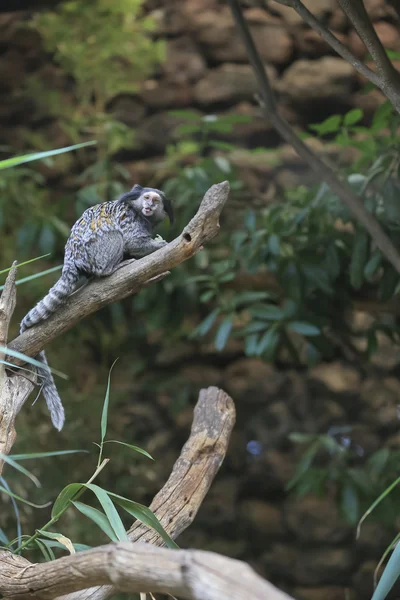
147	196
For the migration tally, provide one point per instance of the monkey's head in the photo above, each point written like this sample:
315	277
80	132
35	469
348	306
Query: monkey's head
151	203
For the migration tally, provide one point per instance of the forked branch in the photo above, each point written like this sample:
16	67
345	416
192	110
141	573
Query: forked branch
324	171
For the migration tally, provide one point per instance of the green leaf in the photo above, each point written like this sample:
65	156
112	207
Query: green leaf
29	359
350	504
105	405
389	489
223	332
134	448
110	510
97	517
18	160
251	343
65	498
330	125
268	312
144	514
358	259
36	275
274	245
206	325
59	537
372	265
352	117
303	328
44	454
304	464
3	538
389	576
18	467
47	552
223	164
382	115
268	342
27	262
12	495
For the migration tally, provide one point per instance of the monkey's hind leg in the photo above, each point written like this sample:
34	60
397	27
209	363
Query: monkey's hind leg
105	253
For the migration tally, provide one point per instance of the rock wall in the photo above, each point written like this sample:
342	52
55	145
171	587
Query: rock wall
302	545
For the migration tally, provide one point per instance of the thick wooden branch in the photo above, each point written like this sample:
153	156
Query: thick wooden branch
190	574
324	171
177	503
15	390
126	281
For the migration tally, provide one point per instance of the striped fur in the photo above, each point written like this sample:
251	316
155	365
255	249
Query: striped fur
97	245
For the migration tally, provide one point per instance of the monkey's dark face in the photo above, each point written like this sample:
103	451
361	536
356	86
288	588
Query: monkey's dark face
150	202
151	205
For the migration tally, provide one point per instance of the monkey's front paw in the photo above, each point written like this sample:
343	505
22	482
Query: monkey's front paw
158	238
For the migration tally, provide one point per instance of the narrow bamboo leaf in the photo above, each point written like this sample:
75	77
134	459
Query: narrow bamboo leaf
223	333
135	448
18	160
375	504
62	539
36	275
8	364
3	537
47	552
97	517
389	576
105	405
145	515
110	511
18	467
206	325
77	547
15	508
26	262
304	328
64	498
30	360
44	454
9	493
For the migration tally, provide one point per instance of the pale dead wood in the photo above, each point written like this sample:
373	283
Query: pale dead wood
13	390
126	281
324	171
177	503
190	574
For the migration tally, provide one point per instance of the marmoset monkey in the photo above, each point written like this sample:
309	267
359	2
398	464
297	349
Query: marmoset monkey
99	241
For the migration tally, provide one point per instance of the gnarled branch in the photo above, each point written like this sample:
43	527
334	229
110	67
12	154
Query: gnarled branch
191	574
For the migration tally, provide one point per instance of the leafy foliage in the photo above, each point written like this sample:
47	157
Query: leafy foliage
103	61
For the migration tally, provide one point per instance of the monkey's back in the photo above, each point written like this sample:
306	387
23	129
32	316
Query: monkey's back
95	223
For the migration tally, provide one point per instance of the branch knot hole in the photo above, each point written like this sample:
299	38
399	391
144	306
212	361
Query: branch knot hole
187	236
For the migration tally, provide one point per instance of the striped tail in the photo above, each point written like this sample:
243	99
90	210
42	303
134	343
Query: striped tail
50	394
55	298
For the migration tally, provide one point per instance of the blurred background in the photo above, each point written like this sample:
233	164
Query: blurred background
291	310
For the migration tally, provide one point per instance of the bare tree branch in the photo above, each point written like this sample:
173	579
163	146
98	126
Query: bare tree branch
7	307
13	391
390	77
332	40
348	197
202	228
177	503
190	574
